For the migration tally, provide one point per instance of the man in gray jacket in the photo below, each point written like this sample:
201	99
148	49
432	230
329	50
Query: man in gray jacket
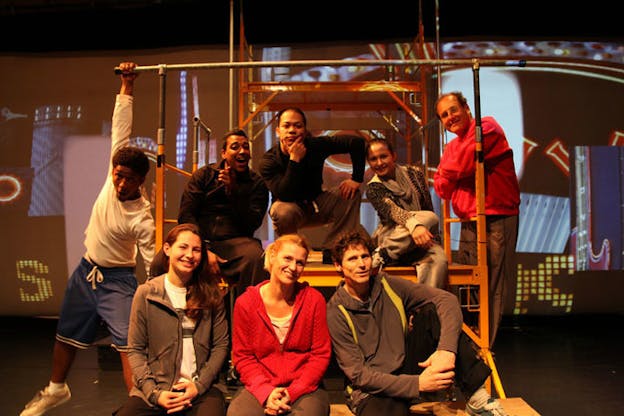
395	339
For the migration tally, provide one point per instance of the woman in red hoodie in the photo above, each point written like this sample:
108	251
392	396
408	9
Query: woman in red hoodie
280	340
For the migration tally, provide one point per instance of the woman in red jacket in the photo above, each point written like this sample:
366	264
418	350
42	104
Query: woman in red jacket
280	341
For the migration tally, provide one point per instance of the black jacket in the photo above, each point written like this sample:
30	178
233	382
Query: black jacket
294	182
221	216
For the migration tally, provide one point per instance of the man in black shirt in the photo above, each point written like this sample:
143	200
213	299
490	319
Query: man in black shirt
228	202
293	172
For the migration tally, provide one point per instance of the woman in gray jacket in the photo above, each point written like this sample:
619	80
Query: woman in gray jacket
178	336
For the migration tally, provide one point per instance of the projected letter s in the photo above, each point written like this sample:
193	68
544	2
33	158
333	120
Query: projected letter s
33	272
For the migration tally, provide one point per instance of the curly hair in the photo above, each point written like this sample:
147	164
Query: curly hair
349	239
133	158
234	132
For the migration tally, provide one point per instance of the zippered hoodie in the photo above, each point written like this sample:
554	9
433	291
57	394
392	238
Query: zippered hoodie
298	364
155	342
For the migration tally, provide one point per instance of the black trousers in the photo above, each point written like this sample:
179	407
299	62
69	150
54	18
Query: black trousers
422	340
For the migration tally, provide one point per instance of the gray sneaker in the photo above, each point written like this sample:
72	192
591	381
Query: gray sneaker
44	401
491	408
377	259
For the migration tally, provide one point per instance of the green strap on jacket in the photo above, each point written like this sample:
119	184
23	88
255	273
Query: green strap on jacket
393	297
397	303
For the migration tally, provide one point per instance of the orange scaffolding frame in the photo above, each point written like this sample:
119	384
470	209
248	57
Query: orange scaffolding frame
401	87
256	97
459	275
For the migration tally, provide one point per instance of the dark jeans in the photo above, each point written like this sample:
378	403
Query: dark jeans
422	340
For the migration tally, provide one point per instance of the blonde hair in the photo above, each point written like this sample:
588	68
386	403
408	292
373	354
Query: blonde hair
275	246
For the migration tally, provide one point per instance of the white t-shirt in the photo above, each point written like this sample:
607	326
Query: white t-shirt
178	299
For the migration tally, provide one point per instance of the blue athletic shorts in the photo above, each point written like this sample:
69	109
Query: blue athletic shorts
92	297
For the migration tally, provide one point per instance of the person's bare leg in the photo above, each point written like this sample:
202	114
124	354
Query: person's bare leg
127	371
62	359
56	392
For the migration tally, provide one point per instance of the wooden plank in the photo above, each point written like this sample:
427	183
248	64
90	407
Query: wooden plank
514	406
326	275
339	410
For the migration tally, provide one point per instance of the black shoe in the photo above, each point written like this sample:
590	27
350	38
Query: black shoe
327	256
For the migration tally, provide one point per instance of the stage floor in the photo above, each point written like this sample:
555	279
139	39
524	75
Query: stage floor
570	365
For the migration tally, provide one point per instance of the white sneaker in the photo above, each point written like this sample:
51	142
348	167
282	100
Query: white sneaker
491	408
44	401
